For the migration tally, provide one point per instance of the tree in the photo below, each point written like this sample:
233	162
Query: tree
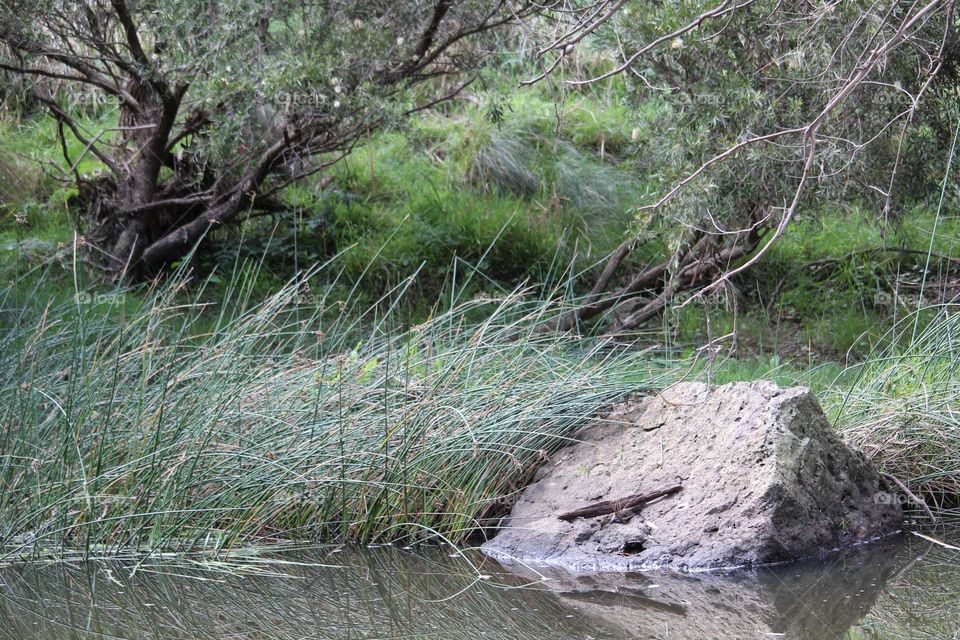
765	108
222	104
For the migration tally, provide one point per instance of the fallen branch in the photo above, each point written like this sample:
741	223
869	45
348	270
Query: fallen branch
619	504
912	496
690	276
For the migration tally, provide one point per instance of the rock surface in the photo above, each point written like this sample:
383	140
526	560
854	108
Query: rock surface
764	479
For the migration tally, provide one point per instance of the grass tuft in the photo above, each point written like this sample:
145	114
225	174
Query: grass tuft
278	420
903	407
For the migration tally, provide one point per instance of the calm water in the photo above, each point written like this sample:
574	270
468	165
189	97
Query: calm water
903	588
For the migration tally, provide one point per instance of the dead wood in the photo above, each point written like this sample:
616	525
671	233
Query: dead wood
619	504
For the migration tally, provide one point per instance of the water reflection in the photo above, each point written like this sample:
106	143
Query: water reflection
904	588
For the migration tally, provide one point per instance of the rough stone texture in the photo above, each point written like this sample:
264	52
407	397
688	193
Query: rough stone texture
765	480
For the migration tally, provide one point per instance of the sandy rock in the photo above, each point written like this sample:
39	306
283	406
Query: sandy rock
765	479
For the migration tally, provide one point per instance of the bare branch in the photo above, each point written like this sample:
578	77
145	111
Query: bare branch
62	117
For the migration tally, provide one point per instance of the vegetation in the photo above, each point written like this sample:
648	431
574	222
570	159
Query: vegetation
159	432
220	106
147	423
766	109
901	408
439	275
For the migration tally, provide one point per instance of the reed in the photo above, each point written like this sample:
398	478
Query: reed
902	406
169	426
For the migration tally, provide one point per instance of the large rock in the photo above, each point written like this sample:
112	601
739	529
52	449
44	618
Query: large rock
764	479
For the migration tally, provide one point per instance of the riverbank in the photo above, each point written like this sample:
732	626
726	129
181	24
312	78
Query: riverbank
402	389
155	425
485	194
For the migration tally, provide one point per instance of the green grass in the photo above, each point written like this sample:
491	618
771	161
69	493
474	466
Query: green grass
451	184
390	394
434	190
490	182
902	405
31	147
160	431
831	287
136	420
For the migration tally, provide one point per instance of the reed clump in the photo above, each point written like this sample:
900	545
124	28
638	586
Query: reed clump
902	407
161	429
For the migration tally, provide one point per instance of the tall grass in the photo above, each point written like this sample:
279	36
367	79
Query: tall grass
526	162
170	427
903	406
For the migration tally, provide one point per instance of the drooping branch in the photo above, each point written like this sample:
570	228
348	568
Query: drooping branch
693	275
807	139
810	131
84	66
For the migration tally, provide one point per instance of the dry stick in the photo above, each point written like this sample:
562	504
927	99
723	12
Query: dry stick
687	278
569	319
935	541
619	504
596	303
911	495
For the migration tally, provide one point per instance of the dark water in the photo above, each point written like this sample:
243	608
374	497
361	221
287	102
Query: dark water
902	588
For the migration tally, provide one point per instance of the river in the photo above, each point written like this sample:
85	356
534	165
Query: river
904	587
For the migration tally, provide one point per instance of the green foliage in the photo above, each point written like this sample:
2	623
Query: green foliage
399	391
830	288
252	67
510	200
752	72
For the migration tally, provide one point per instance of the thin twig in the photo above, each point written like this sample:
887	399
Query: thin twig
911	495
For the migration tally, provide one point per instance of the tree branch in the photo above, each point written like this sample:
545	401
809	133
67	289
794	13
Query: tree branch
130	29
61	116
